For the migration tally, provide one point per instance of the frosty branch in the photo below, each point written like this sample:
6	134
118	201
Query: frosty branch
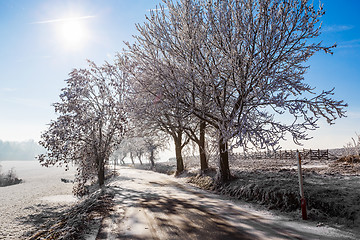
237	65
90	124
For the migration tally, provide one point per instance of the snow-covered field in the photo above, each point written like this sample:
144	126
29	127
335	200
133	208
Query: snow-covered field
26	205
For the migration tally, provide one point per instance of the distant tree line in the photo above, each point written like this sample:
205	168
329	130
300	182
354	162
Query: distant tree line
26	150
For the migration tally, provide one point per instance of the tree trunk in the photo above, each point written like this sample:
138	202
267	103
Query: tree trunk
224	173
152	158
122	162
101	171
139	157
203	161
179	159
132	158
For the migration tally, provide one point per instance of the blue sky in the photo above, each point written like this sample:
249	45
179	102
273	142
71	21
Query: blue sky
37	55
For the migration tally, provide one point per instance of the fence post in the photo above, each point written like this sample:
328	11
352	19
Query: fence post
302	201
327	154
304	153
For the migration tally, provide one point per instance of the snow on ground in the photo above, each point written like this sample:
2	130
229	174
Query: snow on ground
150	205
41	195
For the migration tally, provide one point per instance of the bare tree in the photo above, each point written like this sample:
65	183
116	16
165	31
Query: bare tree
119	156
137	147
170	121
139	151
132	146
239	65
151	113
154	143
91	122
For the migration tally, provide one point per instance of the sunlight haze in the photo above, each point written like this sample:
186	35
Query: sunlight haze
42	41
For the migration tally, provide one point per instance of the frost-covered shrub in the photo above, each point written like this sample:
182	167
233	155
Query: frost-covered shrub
353	147
10	178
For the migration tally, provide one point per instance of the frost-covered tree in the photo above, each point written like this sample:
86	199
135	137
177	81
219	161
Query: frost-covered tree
154	141
118	156
90	123
239	66
131	146
137	148
151	115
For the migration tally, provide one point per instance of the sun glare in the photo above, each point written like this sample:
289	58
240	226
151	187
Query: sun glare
73	34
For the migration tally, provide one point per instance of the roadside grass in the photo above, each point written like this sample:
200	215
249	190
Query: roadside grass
330	187
329	198
73	223
77	221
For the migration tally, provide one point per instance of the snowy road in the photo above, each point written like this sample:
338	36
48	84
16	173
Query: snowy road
155	206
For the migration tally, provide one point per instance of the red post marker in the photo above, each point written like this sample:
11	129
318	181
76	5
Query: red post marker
303	209
303	201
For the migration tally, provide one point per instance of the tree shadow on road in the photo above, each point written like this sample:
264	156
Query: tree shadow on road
188	215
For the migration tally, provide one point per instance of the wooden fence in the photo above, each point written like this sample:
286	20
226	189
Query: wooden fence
288	154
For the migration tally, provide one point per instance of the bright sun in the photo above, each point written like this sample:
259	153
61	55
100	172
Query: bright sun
72	34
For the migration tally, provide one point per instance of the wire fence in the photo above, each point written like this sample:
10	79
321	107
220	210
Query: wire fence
310	154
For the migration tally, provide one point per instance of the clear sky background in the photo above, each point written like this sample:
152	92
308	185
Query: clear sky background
39	46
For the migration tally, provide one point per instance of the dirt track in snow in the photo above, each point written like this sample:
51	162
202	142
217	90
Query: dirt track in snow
149	205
